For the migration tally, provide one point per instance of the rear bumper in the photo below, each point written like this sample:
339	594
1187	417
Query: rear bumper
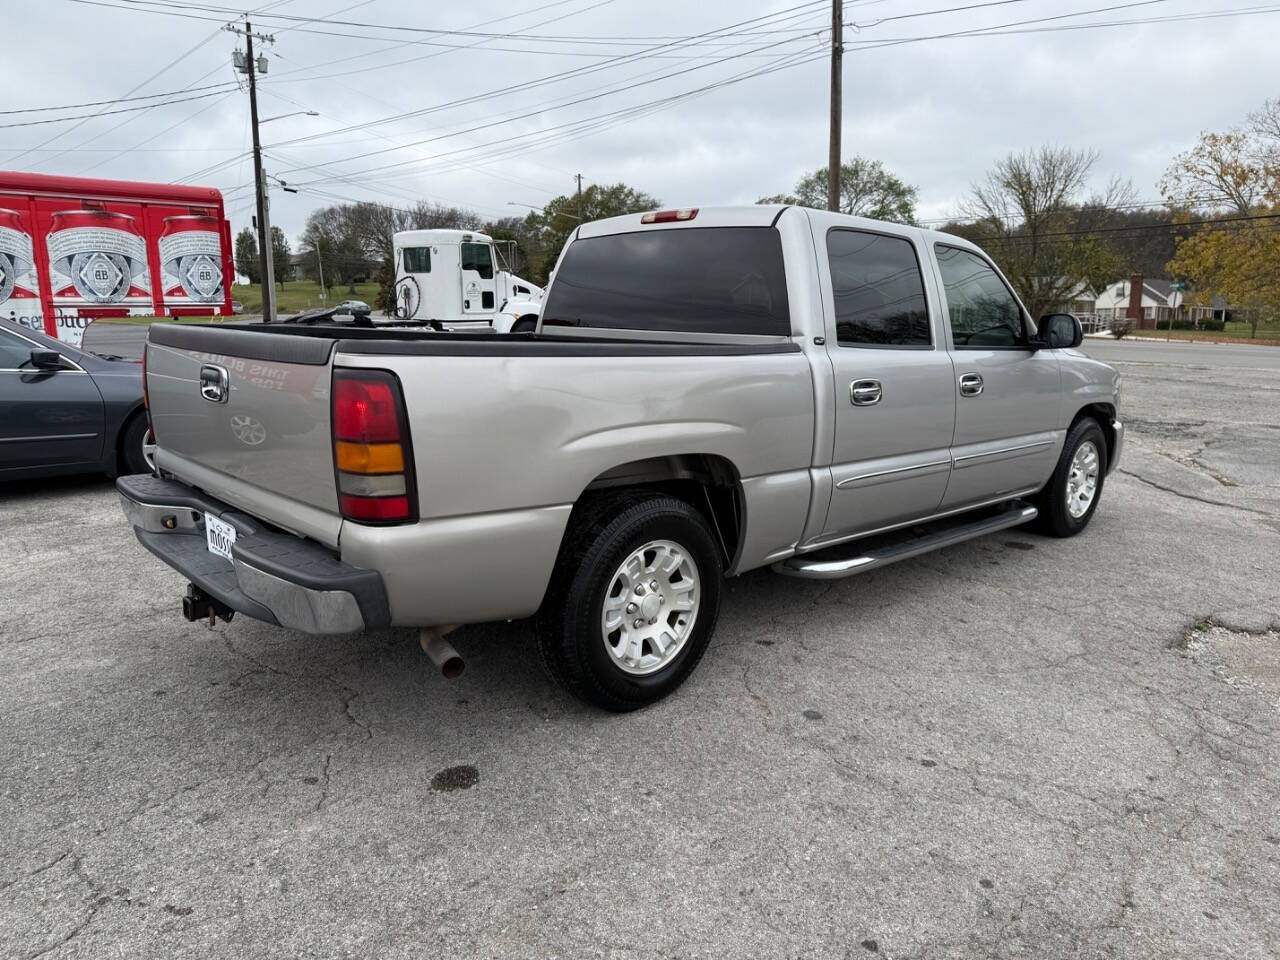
274	577
1117	444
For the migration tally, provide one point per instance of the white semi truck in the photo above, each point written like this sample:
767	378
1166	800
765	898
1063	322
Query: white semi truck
459	279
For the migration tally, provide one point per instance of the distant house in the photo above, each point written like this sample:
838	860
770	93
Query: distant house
1081	300
1146	302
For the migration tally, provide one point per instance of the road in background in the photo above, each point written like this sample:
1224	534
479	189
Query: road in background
1184	353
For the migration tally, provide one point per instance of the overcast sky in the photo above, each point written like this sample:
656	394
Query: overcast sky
937	112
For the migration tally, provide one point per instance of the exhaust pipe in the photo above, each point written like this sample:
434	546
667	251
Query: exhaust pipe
441	652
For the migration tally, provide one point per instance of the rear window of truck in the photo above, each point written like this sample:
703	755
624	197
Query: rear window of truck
691	280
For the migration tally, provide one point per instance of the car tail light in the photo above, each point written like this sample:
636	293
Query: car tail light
372	458
669	216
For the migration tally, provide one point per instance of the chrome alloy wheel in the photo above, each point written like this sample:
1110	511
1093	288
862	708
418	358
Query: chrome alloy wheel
1082	480
650	607
149	449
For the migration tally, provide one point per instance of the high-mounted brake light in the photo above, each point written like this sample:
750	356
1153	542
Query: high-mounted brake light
372	458
669	216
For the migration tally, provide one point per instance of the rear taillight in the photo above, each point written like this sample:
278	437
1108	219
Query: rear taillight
371	453
669	216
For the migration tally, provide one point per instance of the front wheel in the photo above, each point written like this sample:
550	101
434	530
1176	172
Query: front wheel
633	601
1071	496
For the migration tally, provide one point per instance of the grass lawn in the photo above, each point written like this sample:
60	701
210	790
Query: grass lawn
297	295
1233	331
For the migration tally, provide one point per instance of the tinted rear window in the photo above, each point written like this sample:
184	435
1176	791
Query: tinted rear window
694	280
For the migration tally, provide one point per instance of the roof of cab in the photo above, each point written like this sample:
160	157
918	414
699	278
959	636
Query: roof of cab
402	237
753	215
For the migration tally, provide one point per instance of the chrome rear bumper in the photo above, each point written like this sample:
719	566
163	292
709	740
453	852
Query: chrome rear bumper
272	576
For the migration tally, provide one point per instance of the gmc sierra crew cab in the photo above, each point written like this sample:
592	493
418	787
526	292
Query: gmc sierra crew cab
707	391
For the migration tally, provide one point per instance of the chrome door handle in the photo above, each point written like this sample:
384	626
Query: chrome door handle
864	393
970	385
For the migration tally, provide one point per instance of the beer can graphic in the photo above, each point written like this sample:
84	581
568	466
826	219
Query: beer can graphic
17	258
191	260
97	257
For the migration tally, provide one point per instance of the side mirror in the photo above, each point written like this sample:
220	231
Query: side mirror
1057	331
46	359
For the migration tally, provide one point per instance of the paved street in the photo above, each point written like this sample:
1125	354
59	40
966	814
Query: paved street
1018	747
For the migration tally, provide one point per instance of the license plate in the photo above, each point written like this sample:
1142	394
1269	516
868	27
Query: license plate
219	535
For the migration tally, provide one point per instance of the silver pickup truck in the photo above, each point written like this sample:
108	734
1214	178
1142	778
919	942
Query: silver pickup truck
707	392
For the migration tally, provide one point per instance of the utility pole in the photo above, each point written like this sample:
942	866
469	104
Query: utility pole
265	260
579	176
837	75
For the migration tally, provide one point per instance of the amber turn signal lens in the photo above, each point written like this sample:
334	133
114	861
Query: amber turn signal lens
369	457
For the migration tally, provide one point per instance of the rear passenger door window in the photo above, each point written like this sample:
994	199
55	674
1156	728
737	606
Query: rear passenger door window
878	291
983	312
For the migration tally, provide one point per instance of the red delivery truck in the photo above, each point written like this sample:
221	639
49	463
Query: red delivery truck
73	249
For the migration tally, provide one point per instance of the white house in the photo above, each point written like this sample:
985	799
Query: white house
1152	298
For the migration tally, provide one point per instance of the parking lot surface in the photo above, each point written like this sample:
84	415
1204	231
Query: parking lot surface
1018	747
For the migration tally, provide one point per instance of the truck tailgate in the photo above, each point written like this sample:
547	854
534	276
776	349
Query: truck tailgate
245	415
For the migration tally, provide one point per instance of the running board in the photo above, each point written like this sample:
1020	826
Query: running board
812	567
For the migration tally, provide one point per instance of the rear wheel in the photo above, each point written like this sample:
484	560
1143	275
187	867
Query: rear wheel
633	601
524	325
1069	499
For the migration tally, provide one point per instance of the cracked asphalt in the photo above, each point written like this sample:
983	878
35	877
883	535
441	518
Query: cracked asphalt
1018	747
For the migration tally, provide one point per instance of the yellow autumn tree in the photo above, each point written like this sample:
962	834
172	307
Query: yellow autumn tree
1238	261
1234	175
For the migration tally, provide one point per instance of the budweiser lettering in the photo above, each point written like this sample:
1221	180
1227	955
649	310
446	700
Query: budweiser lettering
17	260
190	260
97	256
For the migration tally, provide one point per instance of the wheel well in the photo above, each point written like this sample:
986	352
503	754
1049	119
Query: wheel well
1104	413
707	482
526	322
125	422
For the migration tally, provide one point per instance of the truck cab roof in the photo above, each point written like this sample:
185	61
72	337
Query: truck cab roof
437	237
754	215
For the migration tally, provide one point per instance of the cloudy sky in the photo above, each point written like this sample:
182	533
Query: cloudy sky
497	105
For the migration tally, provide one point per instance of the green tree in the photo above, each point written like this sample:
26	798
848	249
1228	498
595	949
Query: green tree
1033	213
548	229
867	189
281	257
1237	174
246	255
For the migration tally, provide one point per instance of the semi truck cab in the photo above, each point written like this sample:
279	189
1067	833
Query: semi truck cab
460	279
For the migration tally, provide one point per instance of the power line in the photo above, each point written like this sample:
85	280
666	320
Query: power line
555	77
1219	221
107	113
103	103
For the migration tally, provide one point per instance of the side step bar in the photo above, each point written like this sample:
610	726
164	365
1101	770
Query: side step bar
811	567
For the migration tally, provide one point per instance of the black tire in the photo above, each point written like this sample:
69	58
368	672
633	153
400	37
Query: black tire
131	439
1054	518
525	325
601	536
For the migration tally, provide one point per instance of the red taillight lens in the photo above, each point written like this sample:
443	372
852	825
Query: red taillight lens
365	411
374	508
373	462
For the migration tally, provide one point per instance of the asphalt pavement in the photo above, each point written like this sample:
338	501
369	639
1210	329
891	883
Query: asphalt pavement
1017	747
